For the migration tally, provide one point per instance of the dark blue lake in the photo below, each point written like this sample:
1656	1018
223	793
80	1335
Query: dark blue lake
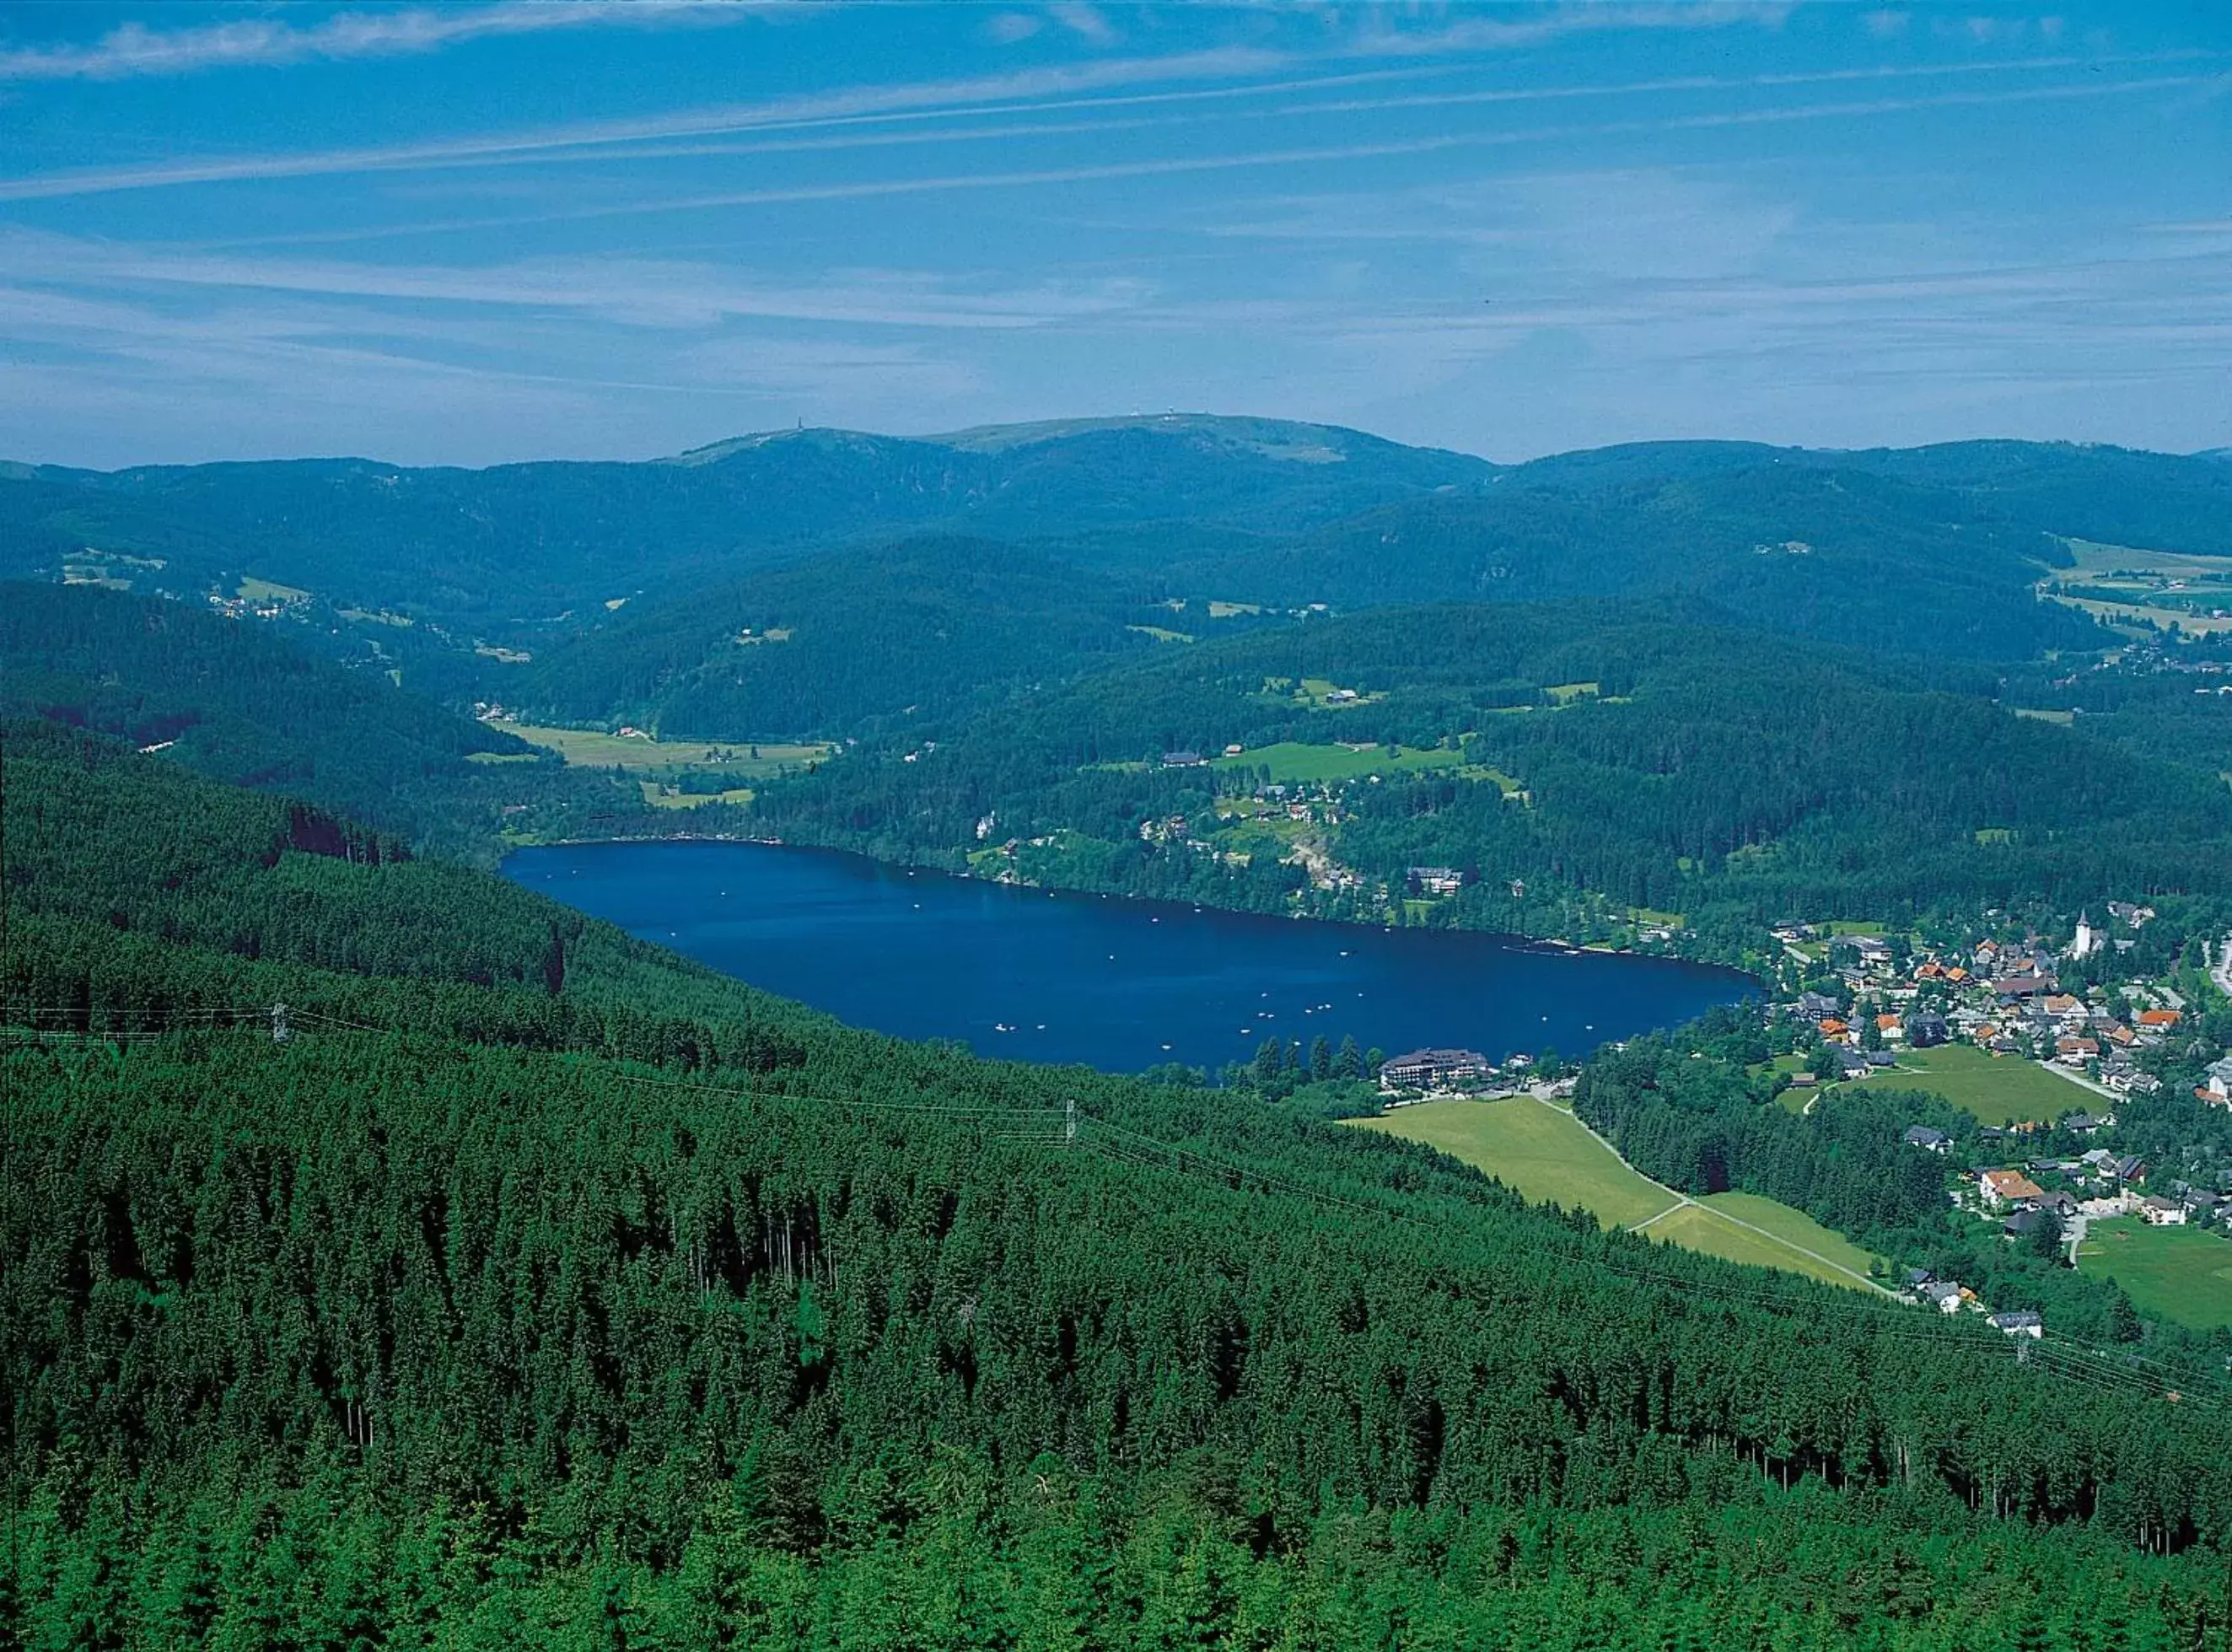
1115	984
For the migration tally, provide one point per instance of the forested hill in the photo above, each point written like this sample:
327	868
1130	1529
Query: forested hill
2116	495
523	541
1920	552
238	701
1835	553
919	627
1553	751
540	1280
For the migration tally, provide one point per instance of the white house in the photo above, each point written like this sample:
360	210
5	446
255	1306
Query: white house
1945	1297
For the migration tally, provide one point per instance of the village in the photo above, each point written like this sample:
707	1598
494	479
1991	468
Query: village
2070	1084
2071	1097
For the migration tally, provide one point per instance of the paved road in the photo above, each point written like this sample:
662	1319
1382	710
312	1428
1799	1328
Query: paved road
2222	974
2076	1077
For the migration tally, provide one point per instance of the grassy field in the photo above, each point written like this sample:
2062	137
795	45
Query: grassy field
1795	1098
1540	1152
263	590
2132	614
2092	557
1291	760
1318	692
659	797
1161	633
2181	1273
1791	1228
1543	1152
1508	784
1996	1089
592	749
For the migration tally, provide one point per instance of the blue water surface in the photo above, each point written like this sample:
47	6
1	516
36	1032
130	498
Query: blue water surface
1112	982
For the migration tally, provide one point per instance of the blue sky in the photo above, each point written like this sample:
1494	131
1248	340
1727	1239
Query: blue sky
619	228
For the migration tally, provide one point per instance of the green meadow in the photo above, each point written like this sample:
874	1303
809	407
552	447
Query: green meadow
1291	761
1543	1152
2181	1273
1996	1089
595	748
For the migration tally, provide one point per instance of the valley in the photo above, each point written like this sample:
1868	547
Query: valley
1061	826
974	962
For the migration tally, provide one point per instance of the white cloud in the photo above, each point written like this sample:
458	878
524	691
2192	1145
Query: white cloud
1084	21
832	373
867	188
133	49
636	292
1046	86
980	94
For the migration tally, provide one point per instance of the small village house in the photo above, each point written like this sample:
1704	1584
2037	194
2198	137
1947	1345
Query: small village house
2006	1189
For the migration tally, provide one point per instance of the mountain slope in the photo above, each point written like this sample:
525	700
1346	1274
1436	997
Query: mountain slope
824	647
1677	767
1805	549
1933	548
678	1313
515	544
236	701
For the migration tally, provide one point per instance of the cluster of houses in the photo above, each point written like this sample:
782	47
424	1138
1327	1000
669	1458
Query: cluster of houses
2099	1183
2002	998
243	608
1951	1297
2095	1184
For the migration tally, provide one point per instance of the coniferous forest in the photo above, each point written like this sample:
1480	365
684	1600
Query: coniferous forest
719	934
524	1282
392	1256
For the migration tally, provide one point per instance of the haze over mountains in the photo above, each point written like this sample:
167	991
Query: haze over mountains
1278	512
1811	653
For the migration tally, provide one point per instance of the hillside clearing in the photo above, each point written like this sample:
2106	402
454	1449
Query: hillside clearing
1540	1152
594	749
1292	760
659	797
1543	1152
252	589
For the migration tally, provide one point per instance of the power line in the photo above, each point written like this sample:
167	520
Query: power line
2109	1370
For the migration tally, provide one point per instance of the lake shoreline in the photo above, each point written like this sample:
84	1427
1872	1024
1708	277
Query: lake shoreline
1519	939
1118	981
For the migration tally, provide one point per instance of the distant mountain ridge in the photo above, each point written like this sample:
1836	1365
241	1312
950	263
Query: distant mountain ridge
1933	548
